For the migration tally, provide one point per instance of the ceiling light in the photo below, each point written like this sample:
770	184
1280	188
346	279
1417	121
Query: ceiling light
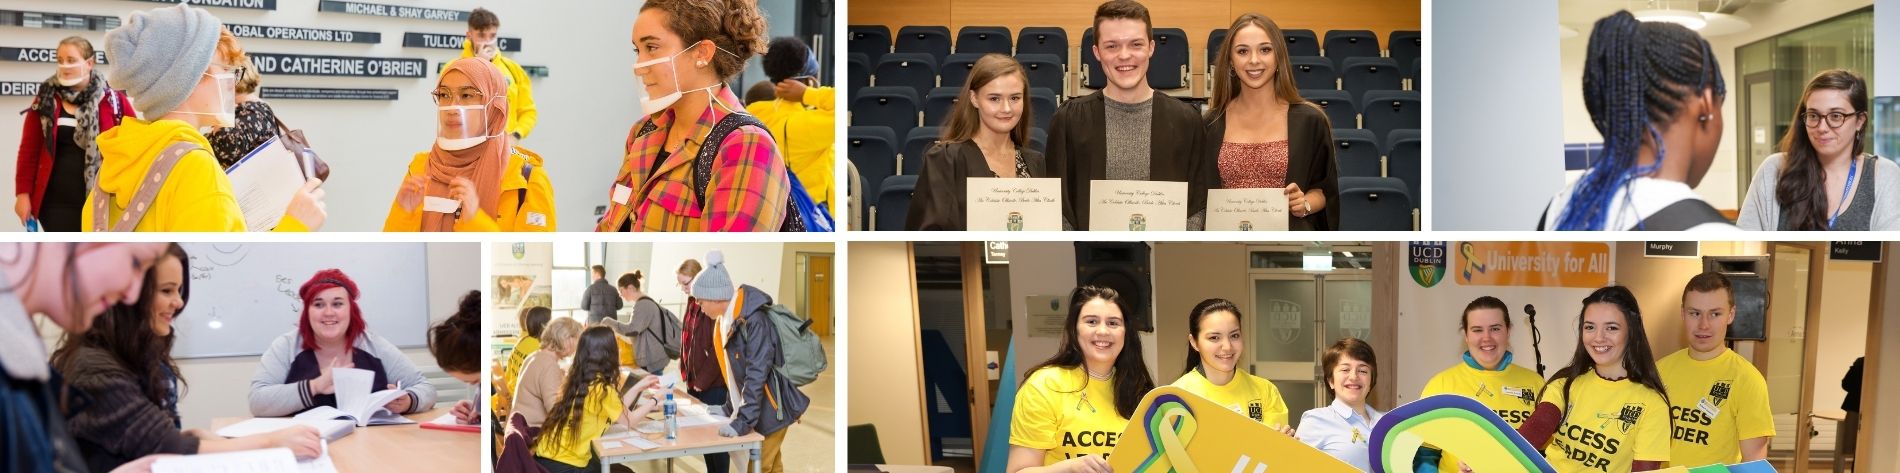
1686	18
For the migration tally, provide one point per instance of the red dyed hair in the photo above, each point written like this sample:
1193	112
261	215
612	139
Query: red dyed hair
326	279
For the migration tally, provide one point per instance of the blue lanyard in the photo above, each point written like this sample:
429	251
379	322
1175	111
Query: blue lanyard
1853	166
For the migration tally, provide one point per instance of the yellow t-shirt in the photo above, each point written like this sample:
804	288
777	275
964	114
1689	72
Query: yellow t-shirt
1511	393
1715	404
1249	395
601	408
1610	425
510	373
1066	414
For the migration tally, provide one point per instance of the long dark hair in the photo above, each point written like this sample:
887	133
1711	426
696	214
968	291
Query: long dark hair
596	367
1227	86
1636	76
1638	360
1799	189
1201	311
125	332
1131	380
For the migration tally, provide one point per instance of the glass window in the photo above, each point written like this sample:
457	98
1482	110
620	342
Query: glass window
1771	74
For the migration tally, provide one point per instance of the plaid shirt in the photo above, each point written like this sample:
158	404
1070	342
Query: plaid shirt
748	190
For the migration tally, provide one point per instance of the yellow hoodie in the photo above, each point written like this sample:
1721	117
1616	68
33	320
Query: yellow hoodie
195	198
521	114
527	203
805	132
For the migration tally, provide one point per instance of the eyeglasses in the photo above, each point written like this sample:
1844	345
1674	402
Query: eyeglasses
1834	119
460	96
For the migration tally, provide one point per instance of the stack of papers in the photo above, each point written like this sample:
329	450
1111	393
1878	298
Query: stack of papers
272	460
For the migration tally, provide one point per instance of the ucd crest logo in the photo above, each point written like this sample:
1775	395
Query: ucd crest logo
1246	226
1015	222
1426	262
520	250
1283	319
1137	223
1719	392
1627	418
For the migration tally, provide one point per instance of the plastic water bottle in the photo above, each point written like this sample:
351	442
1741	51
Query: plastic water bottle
672	418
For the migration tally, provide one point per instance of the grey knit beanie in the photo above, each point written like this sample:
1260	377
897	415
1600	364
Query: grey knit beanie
713	283
159	55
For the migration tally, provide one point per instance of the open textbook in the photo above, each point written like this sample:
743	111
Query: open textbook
355	401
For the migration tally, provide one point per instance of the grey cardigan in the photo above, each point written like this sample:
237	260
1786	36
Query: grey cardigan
272	397
1761	211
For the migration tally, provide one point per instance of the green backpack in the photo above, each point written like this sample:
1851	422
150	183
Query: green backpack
802	356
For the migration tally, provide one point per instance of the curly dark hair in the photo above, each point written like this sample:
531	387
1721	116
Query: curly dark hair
785	58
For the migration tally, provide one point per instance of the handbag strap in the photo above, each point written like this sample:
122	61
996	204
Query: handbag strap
142	199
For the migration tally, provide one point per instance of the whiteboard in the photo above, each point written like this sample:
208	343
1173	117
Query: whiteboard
248	291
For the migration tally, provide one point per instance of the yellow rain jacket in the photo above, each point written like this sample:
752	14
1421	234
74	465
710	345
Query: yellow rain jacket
521	114
805	133
196	197
527	203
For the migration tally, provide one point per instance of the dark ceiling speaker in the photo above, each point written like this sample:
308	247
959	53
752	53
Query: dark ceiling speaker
1122	266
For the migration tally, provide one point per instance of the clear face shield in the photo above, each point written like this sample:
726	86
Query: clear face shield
73	73
225	83
461	117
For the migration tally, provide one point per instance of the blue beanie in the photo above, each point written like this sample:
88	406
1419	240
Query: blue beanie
159	55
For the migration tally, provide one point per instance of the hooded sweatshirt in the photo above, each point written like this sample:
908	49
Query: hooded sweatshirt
805	133
195	198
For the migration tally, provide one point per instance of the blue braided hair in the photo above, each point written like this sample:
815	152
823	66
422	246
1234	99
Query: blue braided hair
1636	76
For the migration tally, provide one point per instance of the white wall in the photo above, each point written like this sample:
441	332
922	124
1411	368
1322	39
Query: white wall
220	387
1886	31
1045	269
1495	153
1766	19
1429	318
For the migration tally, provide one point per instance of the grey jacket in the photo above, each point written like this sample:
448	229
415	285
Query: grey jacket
752	351
643	330
600	301
272	397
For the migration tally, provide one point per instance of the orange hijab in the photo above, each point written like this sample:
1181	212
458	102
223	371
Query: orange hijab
481	163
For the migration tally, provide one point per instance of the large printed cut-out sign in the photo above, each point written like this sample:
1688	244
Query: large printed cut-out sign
1457	425
1466	429
1175	430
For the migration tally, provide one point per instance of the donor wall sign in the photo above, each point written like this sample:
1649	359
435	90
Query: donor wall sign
246	4
304	34
318	93
39	55
19	89
453	41
1540	264
346	66
66	21
392	11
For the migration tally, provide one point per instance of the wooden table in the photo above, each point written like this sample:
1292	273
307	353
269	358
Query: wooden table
406	447
695	440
